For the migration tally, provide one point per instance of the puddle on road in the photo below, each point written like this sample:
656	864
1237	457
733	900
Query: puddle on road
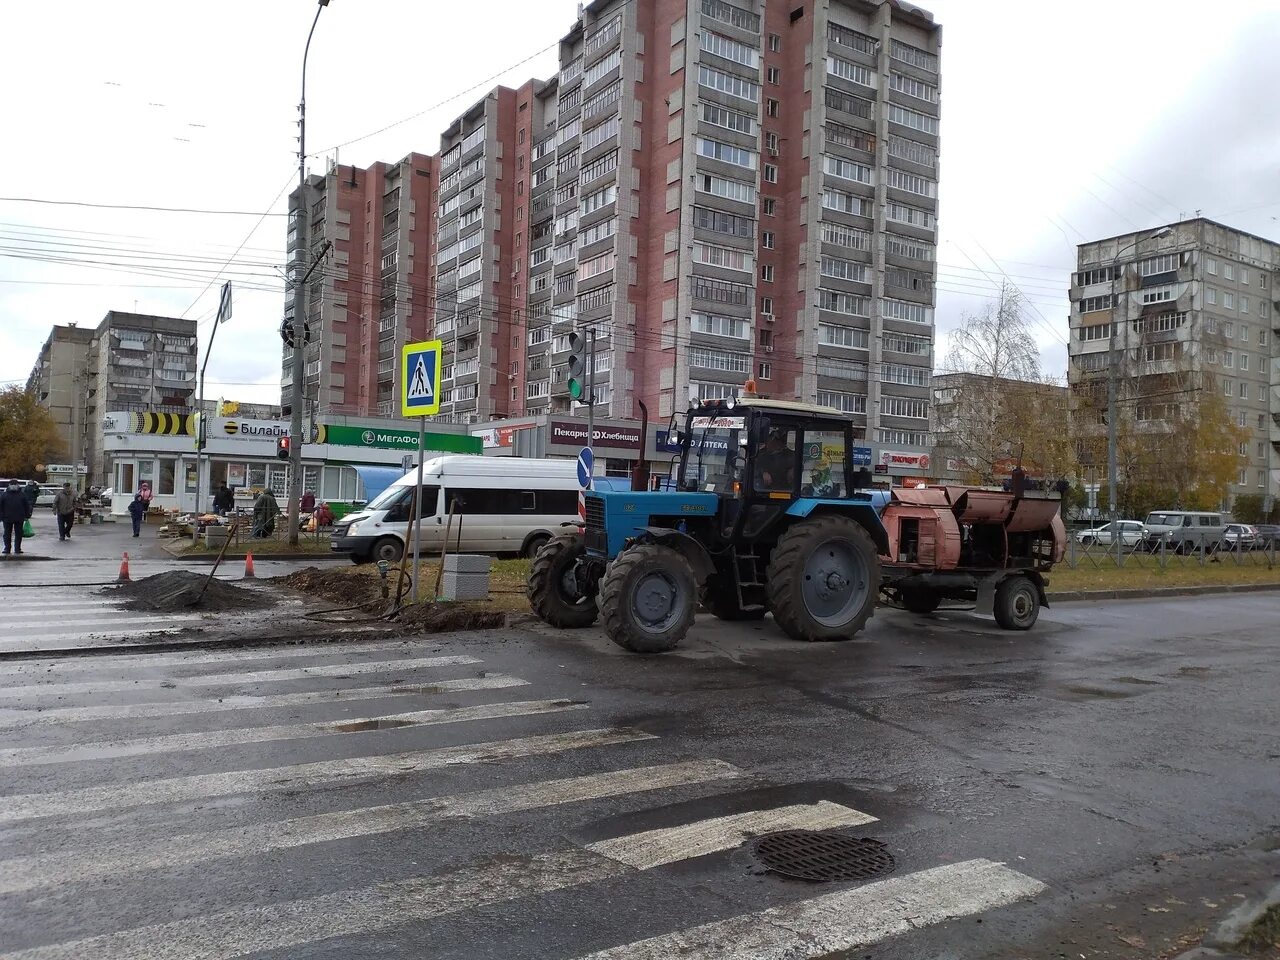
1083	692
360	726
1136	680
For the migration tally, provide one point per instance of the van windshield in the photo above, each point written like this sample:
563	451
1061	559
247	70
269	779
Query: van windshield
1164	519
386	498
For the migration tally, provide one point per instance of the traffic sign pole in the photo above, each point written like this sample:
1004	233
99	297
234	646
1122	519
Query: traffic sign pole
417	517
420	365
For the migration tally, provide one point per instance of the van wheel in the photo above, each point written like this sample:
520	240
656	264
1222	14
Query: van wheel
534	544
389	549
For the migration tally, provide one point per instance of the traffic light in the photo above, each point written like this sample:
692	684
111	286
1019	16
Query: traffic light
282	448
577	366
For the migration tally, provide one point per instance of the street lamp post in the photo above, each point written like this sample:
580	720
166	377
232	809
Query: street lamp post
300	302
1112	454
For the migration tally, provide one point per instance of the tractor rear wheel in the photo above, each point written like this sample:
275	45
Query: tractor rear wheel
721	600
648	597
823	578
1017	604
919	599
554	594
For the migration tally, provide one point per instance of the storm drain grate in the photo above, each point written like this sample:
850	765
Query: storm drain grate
815	855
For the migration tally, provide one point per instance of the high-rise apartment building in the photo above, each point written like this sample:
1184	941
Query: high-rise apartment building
373	291
1170	313
61	383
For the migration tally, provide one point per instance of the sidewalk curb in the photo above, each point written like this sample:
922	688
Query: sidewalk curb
210	557
1220	942
1153	592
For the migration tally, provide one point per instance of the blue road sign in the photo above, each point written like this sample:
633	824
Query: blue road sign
420	378
586	466
862	456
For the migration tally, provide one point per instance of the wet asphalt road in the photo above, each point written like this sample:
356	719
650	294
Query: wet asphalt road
1122	761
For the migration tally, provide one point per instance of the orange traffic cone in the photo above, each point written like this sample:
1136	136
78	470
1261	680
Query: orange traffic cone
248	565
123	576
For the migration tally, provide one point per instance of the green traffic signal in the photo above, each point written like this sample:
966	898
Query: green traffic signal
577	365
575	388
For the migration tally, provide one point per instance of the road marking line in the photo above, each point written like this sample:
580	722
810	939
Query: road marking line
242	677
283	652
844	920
656	847
101	622
297	776
13	717
211	739
116	859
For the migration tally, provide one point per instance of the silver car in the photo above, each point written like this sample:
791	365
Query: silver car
1131	533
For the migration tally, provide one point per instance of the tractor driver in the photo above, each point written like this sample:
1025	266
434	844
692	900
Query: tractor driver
775	469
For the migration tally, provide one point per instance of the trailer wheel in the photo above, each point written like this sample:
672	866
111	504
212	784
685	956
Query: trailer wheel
553	588
823	578
919	599
721	601
648	597
1017	604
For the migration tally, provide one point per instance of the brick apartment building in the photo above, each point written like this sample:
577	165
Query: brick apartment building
718	190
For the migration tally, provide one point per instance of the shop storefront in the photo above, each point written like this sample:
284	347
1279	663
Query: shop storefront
159	452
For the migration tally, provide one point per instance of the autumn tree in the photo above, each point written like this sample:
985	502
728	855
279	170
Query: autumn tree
28	434
1000	407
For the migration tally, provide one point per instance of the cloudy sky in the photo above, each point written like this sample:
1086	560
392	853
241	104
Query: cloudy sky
1061	122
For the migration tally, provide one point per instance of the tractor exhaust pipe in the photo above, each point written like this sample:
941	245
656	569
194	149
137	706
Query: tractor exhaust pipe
640	472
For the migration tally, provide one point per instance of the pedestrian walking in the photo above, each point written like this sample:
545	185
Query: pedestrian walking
14	512
64	508
308	502
137	510
32	492
224	500
265	511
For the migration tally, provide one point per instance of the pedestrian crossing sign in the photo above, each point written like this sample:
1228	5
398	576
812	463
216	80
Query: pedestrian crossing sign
420	378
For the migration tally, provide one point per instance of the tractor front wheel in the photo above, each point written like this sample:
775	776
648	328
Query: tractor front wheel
648	596
554	593
823	578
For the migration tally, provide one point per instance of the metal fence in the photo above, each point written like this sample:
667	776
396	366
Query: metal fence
1164	555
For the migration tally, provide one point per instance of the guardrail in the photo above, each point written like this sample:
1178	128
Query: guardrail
1160	553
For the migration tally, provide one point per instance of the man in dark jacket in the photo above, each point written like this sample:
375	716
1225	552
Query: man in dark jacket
32	492
14	512
64	507
224	500
137	510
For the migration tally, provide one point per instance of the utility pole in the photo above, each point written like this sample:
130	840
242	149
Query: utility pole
300	302
591	389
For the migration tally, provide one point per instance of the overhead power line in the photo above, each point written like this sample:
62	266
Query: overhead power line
128	206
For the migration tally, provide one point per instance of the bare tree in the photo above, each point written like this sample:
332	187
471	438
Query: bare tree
996	342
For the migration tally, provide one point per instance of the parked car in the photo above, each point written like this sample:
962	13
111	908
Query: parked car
1132	533
1239	536
1184	531
48	492
1268	535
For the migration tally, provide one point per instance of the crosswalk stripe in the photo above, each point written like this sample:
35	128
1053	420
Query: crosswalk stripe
84	864
14	626
148	660
298	776
844	920
668	844
12	717
211	739
242	676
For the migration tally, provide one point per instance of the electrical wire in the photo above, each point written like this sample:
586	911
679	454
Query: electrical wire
140	207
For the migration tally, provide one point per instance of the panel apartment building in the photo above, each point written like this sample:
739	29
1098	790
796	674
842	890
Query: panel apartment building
1191	306
372	293
719	191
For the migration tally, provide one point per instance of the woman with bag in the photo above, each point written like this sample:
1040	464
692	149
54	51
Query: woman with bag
16	517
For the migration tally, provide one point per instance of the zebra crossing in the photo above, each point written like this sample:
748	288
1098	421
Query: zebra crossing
403	796
43	618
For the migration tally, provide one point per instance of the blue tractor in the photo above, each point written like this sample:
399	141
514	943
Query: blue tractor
764	512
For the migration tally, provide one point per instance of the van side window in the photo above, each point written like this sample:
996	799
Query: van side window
429	499
1208	521
557	502
1186	521
528	501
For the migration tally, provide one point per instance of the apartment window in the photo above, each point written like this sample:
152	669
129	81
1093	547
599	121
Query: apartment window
771	107
594	299
723	360
844	402
1211	265
600	69
1165	263
1210	295
766	239
908	247
1263	339
846	169
734	120
566	163
729	257
728	83
764	371
1262	478
566	192
1161	323
766	306
766	272
1156	352
713	391
770	173
910	182
730	49
1229	330
1243	335
1227	387
1243	476
848	70
596	266
775	43
904	407
1264	310
1242	419
1228	300
730	13
600	198
906	310
773	75
912	119
1210	325
1262	417
902	373
603	36
913	87
597	232
600	133
1098	331
720	326
1157	295
908	344
852	39
846	202
1086	278
1228	271
721	291
848	103
1244	363
726	152
721	222
724	187
837	134
844	269
1091	362
1244	304
847	303
563	284
1244	393
841	235
912	216
1262	280
764	338
841	369
770	207
913	55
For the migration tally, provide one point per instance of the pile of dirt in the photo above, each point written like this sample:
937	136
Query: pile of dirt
345	586
447	617
178	589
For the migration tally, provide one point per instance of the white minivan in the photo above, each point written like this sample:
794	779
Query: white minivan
501	505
